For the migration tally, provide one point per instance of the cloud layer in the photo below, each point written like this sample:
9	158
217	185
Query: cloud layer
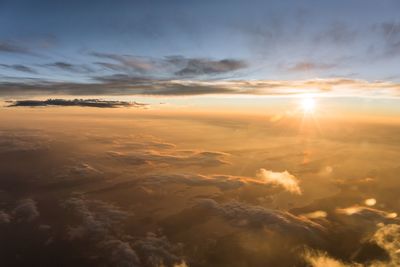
96	103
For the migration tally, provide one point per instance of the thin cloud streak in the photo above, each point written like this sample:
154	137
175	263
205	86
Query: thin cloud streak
127	85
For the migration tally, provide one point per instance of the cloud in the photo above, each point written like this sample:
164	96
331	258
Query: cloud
20	141
126	62
26	210
97	103
158	251
127	85
194	67
69	67
388	237
337	33
367	213
223	182
19	67
315	214
9	47
391	35
121	253
322	259
98	218
102	224
4	217
173	158
283	179
172	65
244	215
310	66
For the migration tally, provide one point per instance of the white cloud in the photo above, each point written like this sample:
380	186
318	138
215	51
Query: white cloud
283	179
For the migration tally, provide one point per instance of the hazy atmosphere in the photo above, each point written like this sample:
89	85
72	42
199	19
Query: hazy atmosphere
200	133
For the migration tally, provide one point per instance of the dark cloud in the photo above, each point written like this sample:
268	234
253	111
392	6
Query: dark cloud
19	67
65	66
244	215
178	65
97	103
121	253
102	222
122	84
4	217
9	47
26	210
98	218
158	251
196	67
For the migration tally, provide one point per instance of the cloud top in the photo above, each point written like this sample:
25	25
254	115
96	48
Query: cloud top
283	179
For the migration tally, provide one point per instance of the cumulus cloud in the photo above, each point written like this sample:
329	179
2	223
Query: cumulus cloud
121	253
388	237
283	179
102	222
158	251
98	218
244	215
322	259
97	103
26	210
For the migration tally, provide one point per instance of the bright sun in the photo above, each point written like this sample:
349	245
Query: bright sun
308	104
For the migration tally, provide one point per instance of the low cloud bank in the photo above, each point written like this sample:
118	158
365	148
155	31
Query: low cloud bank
97	103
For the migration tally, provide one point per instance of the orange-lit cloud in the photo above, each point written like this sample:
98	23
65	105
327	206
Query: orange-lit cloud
283	179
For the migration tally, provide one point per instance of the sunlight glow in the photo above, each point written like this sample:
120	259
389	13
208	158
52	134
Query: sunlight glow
308	104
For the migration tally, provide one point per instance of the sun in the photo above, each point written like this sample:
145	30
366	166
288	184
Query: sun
307	104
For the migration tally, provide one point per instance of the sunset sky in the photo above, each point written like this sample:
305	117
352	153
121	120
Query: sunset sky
200	133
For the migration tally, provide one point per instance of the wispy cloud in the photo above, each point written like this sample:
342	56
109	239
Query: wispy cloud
205	66
65	66
127	85
19	67
10	47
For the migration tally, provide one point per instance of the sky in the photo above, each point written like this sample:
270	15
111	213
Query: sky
200	133
174	48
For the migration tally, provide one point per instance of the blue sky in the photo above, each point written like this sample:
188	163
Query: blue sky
83	41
